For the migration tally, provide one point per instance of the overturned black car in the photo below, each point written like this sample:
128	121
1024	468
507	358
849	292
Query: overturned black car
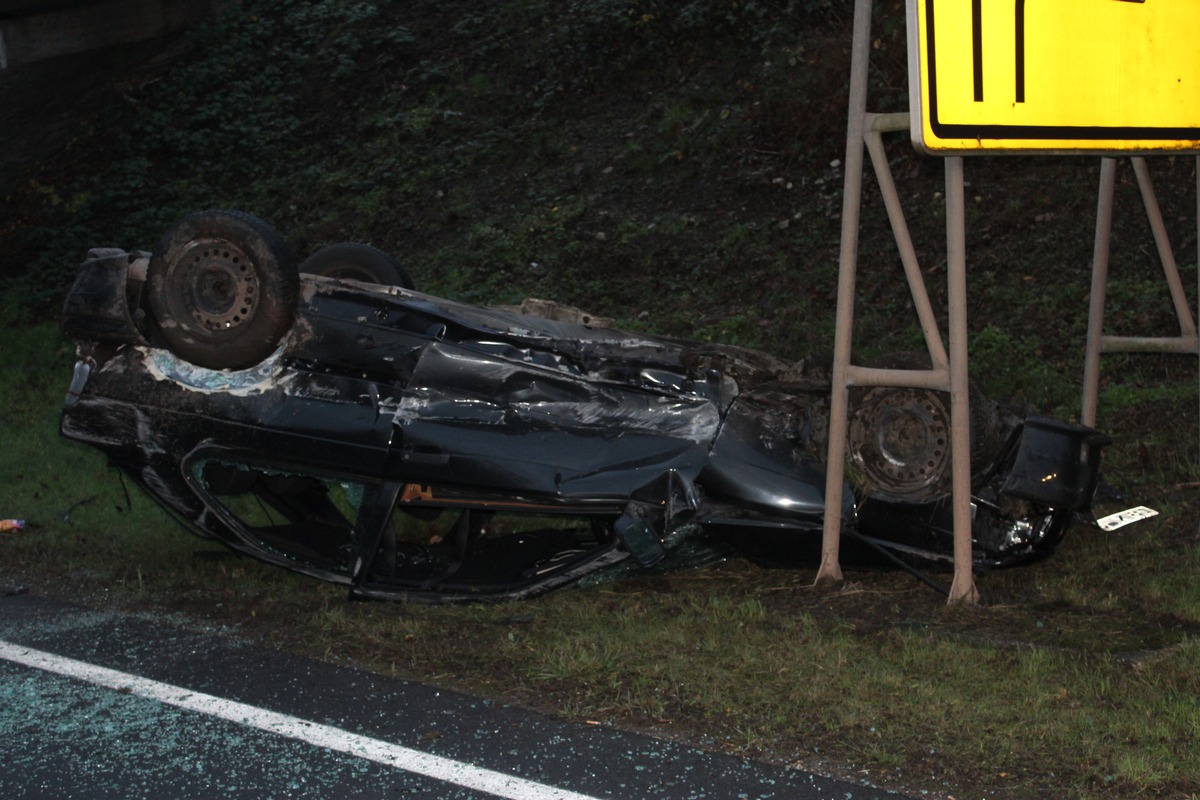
332	420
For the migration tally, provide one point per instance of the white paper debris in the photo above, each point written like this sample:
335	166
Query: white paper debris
1126	517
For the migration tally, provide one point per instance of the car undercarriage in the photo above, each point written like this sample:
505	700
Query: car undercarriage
331	419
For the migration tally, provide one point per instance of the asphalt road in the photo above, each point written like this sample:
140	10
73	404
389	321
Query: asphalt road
96	704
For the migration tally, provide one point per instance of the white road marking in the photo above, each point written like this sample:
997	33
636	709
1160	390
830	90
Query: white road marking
444	769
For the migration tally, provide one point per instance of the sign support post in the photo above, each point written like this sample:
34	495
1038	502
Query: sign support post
946	374
829	574
1188	341
1040	81
962	589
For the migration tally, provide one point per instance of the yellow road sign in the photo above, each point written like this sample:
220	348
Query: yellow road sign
1054	75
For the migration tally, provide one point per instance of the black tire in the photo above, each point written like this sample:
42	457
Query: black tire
222	288
360	262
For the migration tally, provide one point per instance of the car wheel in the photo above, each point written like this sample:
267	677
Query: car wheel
222	288
899	437
360	262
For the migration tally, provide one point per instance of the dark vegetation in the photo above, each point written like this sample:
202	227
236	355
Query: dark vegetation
676	165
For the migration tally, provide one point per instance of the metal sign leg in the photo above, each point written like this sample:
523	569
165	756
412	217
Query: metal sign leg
1097	342
1100	250
844	374
962	590
829	574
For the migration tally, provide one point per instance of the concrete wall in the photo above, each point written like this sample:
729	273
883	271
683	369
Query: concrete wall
31	31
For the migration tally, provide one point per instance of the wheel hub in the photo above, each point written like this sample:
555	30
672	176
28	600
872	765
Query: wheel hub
223	285
900	443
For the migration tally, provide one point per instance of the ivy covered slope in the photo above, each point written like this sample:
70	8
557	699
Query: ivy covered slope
676	165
